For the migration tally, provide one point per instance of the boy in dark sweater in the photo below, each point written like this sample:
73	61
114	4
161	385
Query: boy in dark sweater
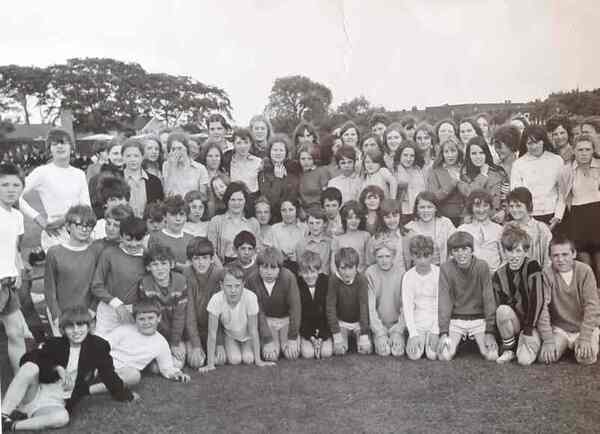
315	337
168	290
203	281
571	314
117	276
280	308
348	303
519	296
245	246
466	306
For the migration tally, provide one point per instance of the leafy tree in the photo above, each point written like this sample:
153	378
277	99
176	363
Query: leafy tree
295	98
358	109
23	88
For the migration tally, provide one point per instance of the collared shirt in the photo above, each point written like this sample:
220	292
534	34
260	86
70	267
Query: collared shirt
183	179
222	229
349	186
586	183
246	169
137	187
334	227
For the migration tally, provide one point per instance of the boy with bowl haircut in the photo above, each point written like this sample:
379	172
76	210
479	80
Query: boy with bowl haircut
53	378
316	240
571	314
112	227
168	289
12	229
518	288
315	337
348	303
280	307
117	276
348	182
245	247
203	281
385	300
236	309
331	202
420	300
466	305
112	192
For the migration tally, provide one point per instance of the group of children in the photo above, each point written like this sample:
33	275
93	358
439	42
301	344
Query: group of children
125	293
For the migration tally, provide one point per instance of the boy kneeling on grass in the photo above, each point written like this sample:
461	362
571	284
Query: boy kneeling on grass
466	305
571	314
348	304
518	288
236	308
53	378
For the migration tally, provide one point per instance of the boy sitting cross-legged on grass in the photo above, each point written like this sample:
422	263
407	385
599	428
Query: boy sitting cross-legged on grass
466	305
348	303
203	281
280	308
117	276
385	300
571	314
168	289
236	309
315	337
420	300
518	288
53	378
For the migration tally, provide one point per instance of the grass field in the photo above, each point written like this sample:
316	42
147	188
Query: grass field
356	394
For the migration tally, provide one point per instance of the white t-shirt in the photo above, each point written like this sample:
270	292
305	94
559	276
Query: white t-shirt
11	227
130	348
99	231
71	369
234	319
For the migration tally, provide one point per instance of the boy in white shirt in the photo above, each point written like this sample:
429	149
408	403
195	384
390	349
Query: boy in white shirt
420	300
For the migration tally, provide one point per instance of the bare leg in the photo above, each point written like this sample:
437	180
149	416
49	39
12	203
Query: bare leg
13	325
22	389
49	417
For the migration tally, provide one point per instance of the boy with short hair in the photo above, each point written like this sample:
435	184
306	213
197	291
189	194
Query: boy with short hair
70	266
316	240
280	307
203	281
466	305
518	288
117	275
112	191
245	247
236	309
348	303
348	182
331	201
571	314
154	216
12	229
420	300
315	337
168	290
53	378
385	300
172	235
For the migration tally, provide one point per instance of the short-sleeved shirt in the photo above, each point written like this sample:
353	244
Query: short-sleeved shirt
10	229
234	319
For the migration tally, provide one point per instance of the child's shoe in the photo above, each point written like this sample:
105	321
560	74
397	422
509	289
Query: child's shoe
506	357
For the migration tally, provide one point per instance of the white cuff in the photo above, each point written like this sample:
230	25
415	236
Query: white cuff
115	303
363	340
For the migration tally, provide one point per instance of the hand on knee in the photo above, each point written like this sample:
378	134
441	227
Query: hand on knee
270	352
397	344
234	358
382	346
415	347
220	355
364	344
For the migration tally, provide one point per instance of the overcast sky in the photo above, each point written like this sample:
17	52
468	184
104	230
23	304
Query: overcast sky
398	53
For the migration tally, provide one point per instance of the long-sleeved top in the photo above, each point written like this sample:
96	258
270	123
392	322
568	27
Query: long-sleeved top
522	290
287	237
283	301
394	237
348	302
314	313
201	287
94	357
577	188
385	299
68	276
445	188
320	245
492	183
177	244
358	240
222	229
276	189
312	183
172	301
575	308
466	293
486	237
540	175
540	236
59	188
411	182
439	231
420	301
117	276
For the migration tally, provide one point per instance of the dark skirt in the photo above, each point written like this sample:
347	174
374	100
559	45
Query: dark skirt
583	223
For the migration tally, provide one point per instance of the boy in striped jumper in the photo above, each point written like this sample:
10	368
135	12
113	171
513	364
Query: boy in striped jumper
571	314
519	296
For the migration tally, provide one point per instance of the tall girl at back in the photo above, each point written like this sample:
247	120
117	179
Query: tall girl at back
428	222
393	138
391	230
371	198
375	173
353	216
411	180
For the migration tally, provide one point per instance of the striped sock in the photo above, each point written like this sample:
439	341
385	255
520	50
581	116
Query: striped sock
509	344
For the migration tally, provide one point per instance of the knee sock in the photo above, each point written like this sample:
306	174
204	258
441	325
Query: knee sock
509	344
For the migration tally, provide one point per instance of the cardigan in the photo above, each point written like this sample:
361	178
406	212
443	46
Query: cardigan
277	189
567	180
314	314
93	357
348	302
